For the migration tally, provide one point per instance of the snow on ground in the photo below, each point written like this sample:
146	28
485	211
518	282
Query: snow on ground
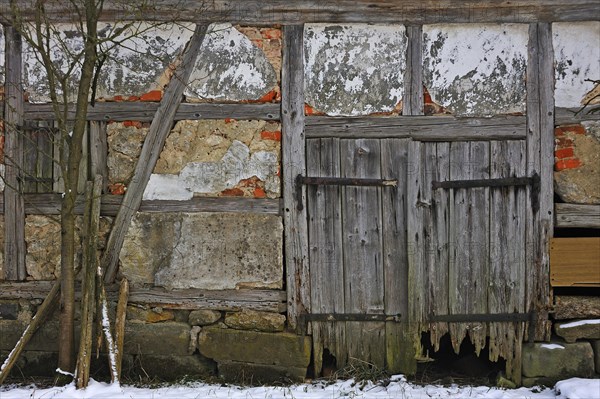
574	388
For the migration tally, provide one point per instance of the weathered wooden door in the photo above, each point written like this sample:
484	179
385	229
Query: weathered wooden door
467	234
357	245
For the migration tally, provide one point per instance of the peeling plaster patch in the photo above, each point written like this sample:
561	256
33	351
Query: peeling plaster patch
2	61
135	66
577	57
354	69
166	187
212	177
476	69
230	68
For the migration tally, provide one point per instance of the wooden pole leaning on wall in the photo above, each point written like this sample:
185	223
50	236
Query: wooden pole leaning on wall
153	144
90	265
120	323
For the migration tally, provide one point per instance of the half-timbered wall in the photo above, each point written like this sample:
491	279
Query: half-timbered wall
304	172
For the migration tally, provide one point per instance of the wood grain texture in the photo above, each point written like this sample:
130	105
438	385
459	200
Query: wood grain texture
14	210
420	128
153	144
577	216
145	111
575	262
469	240
325	244
540	147
226	300
412	101
570	116
363	246
98	152
49	204
294	164
507	254
341	11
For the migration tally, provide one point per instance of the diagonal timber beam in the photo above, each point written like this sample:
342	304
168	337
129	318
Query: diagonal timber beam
155	140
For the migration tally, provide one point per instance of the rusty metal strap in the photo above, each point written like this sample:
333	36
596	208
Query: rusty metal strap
504	182
350	317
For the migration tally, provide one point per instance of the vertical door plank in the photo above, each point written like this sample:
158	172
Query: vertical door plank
362	242
439	156
469	239
45	158
294	164
325	249
399	344
14	210
507	253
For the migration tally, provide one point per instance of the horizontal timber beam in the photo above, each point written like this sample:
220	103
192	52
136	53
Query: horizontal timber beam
577	216
568	116
145	111
420	128
226	300
339	11
49	204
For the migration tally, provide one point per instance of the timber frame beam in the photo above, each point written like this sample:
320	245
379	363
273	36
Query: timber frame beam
269	12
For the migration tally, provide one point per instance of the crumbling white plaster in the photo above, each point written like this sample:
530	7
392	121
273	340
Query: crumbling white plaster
213	177
577	57
354	69
230	67
476	69
133	67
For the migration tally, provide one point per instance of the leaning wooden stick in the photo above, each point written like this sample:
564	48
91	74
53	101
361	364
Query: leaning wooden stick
120	322
40	317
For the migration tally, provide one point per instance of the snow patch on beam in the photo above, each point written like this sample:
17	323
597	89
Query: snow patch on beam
476	69
577	57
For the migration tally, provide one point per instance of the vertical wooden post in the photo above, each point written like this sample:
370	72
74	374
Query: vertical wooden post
98	152
294	164
400	338
540	145
14	210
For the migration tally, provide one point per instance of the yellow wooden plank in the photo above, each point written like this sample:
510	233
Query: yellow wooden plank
575	262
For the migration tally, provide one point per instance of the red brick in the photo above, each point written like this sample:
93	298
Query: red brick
269	33
259	192
563	142
269	97
563	164
308	110
564	153
118	98
426	97
154	95
229	120
232	192
576	129
133	98
250	182
271	135
117	189
558	131
137	124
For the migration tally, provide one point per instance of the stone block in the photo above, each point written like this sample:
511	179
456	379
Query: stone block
529	382
579	329
558	360
234	250
257	321
170	367
33	363
596	348
149	315
168	338
203	317
9	310
45	339
258	374
274	349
